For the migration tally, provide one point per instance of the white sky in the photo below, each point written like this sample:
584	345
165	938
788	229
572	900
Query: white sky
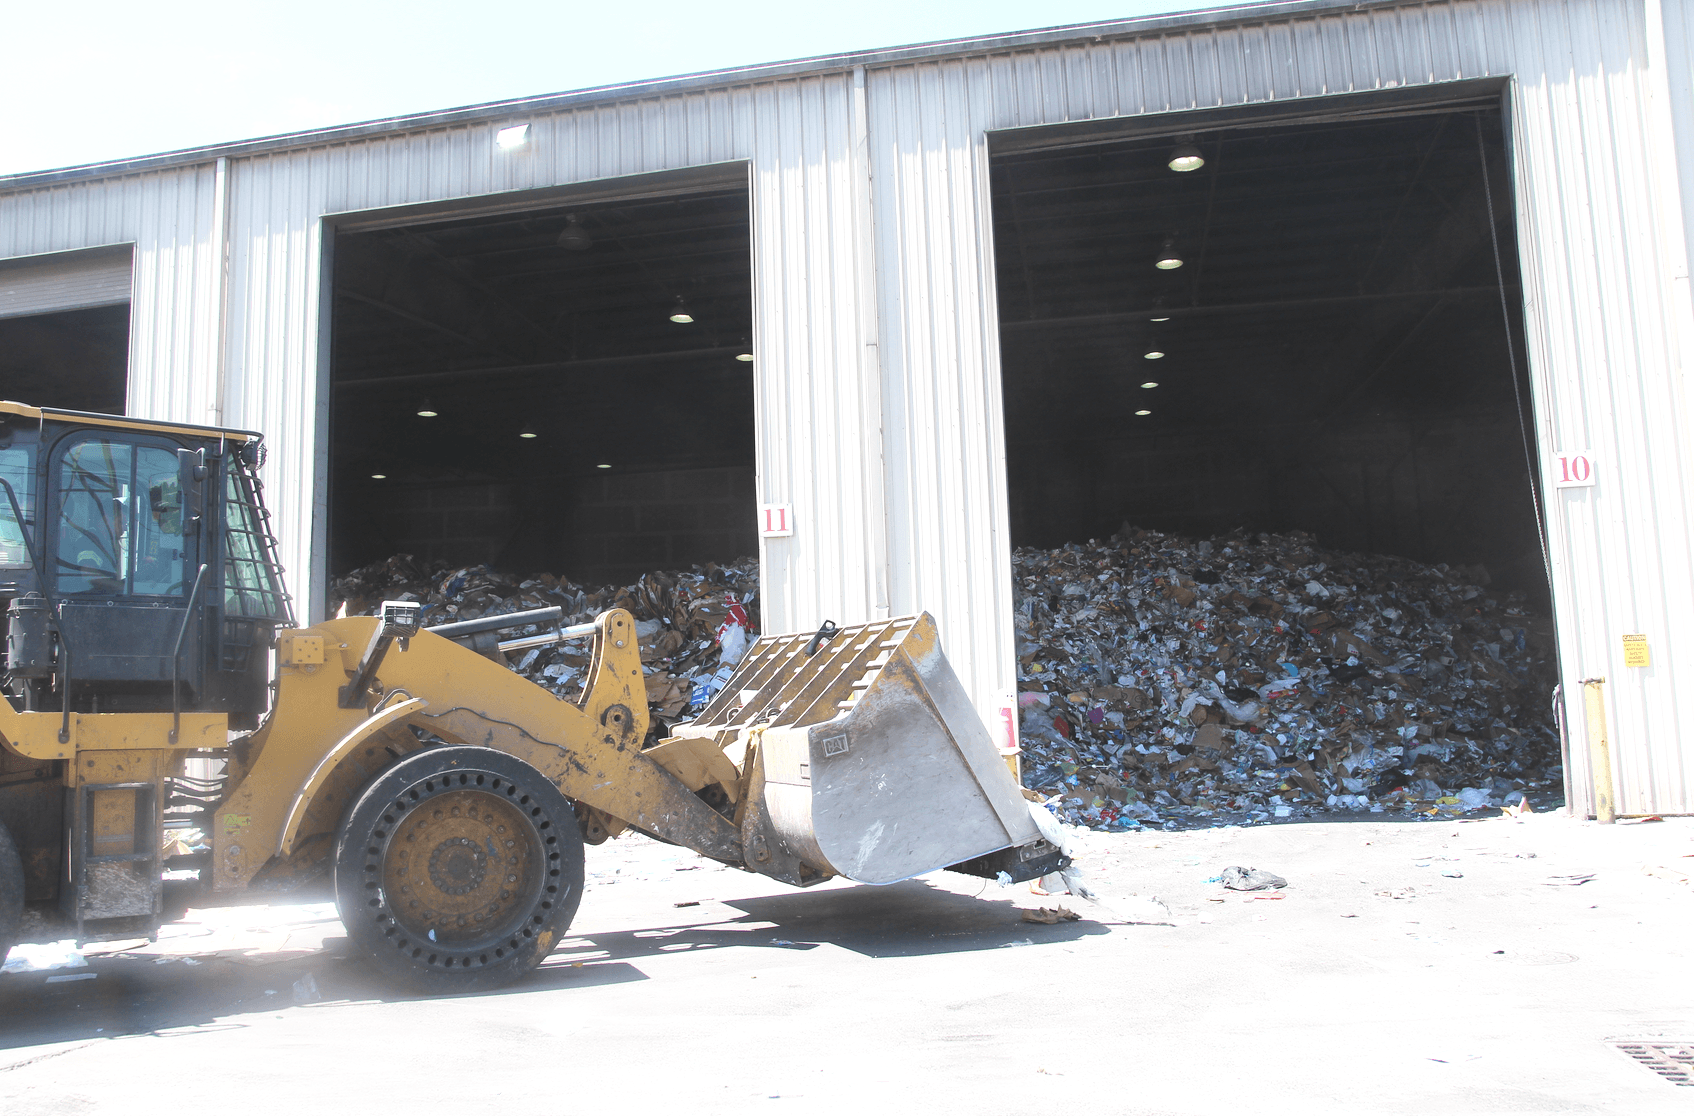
99	80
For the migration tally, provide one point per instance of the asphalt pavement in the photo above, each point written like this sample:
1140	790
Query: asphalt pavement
1484	965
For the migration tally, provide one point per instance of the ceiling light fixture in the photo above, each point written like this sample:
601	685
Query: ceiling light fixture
426	409
379	476
1168	260
506	139
575	238
602	465
746	353
1144	412
1159	309
1151	384
527	432
1186	157
1152	354
680	314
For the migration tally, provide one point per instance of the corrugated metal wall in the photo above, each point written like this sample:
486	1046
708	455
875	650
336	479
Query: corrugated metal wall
1604	259
878	378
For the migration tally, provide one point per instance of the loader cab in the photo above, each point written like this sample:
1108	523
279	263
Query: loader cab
136	568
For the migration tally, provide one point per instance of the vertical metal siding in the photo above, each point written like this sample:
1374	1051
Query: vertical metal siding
878	378
1604	261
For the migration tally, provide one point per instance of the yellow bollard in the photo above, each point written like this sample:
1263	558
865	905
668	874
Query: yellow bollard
1599	751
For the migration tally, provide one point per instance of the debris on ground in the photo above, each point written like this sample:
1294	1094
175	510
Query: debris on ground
1237	878
693	625
1050	915
1173	681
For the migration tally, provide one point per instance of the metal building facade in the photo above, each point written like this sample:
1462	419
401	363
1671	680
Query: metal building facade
878	379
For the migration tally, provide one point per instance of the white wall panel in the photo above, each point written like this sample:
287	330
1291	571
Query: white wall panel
878	378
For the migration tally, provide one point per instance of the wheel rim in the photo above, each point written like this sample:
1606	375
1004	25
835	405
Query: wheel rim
458	863
462	869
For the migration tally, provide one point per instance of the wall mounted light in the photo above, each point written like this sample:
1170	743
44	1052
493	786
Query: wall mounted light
1186	157
679	312
1168	259
507	139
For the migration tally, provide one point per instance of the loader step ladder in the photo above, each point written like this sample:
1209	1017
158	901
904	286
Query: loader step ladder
112	892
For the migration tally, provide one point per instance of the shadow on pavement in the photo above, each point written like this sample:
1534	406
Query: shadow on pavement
129	994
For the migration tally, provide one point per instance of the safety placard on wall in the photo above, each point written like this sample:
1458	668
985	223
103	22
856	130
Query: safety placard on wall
776	520
1636	653
1573	469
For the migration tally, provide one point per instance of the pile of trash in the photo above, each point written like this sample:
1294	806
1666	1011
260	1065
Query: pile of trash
1165	680
693	626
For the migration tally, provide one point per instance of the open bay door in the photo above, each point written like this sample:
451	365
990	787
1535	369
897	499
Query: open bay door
64	328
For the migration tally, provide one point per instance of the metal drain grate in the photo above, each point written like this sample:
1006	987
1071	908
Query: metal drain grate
1673	1061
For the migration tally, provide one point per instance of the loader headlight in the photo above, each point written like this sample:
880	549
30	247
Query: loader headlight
399	619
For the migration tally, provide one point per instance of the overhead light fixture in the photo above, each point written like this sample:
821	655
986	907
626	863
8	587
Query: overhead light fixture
747	351
1151	384
1144	412
1186	157
1159	310
1152	354
575	238
379	476
426	409
516	136
679	313
1168	260
744	356
602	465
527	432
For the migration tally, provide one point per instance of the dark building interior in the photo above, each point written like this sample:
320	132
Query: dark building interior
77	359
577	427
1335	355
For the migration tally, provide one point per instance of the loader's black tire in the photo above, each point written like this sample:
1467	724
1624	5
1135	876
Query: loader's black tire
458	870
11	893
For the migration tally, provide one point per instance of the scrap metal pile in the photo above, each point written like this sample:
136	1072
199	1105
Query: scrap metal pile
693	625
1183	682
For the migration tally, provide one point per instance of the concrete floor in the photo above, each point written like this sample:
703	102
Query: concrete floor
1410	967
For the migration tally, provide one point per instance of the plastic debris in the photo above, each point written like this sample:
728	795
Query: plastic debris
35	957
1250	879
1171	681
693	626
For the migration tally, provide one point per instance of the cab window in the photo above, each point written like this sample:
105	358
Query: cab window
119	520
17	468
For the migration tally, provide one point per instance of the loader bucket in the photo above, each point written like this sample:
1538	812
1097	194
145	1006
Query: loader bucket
864	759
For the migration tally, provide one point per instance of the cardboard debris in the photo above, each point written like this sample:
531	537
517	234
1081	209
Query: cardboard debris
1051	915
692	626
1166	680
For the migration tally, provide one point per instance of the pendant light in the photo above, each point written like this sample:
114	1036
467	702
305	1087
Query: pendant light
1186	157
679	312
1168	259
575	238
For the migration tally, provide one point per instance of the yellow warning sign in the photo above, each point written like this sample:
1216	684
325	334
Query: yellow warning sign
1636	652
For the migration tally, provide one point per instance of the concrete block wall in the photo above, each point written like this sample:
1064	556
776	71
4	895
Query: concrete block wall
624	525
461	525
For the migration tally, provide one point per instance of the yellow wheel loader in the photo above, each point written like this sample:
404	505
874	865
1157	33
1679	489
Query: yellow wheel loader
155	682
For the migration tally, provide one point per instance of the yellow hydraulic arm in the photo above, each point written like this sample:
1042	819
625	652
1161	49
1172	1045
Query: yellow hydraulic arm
294	778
